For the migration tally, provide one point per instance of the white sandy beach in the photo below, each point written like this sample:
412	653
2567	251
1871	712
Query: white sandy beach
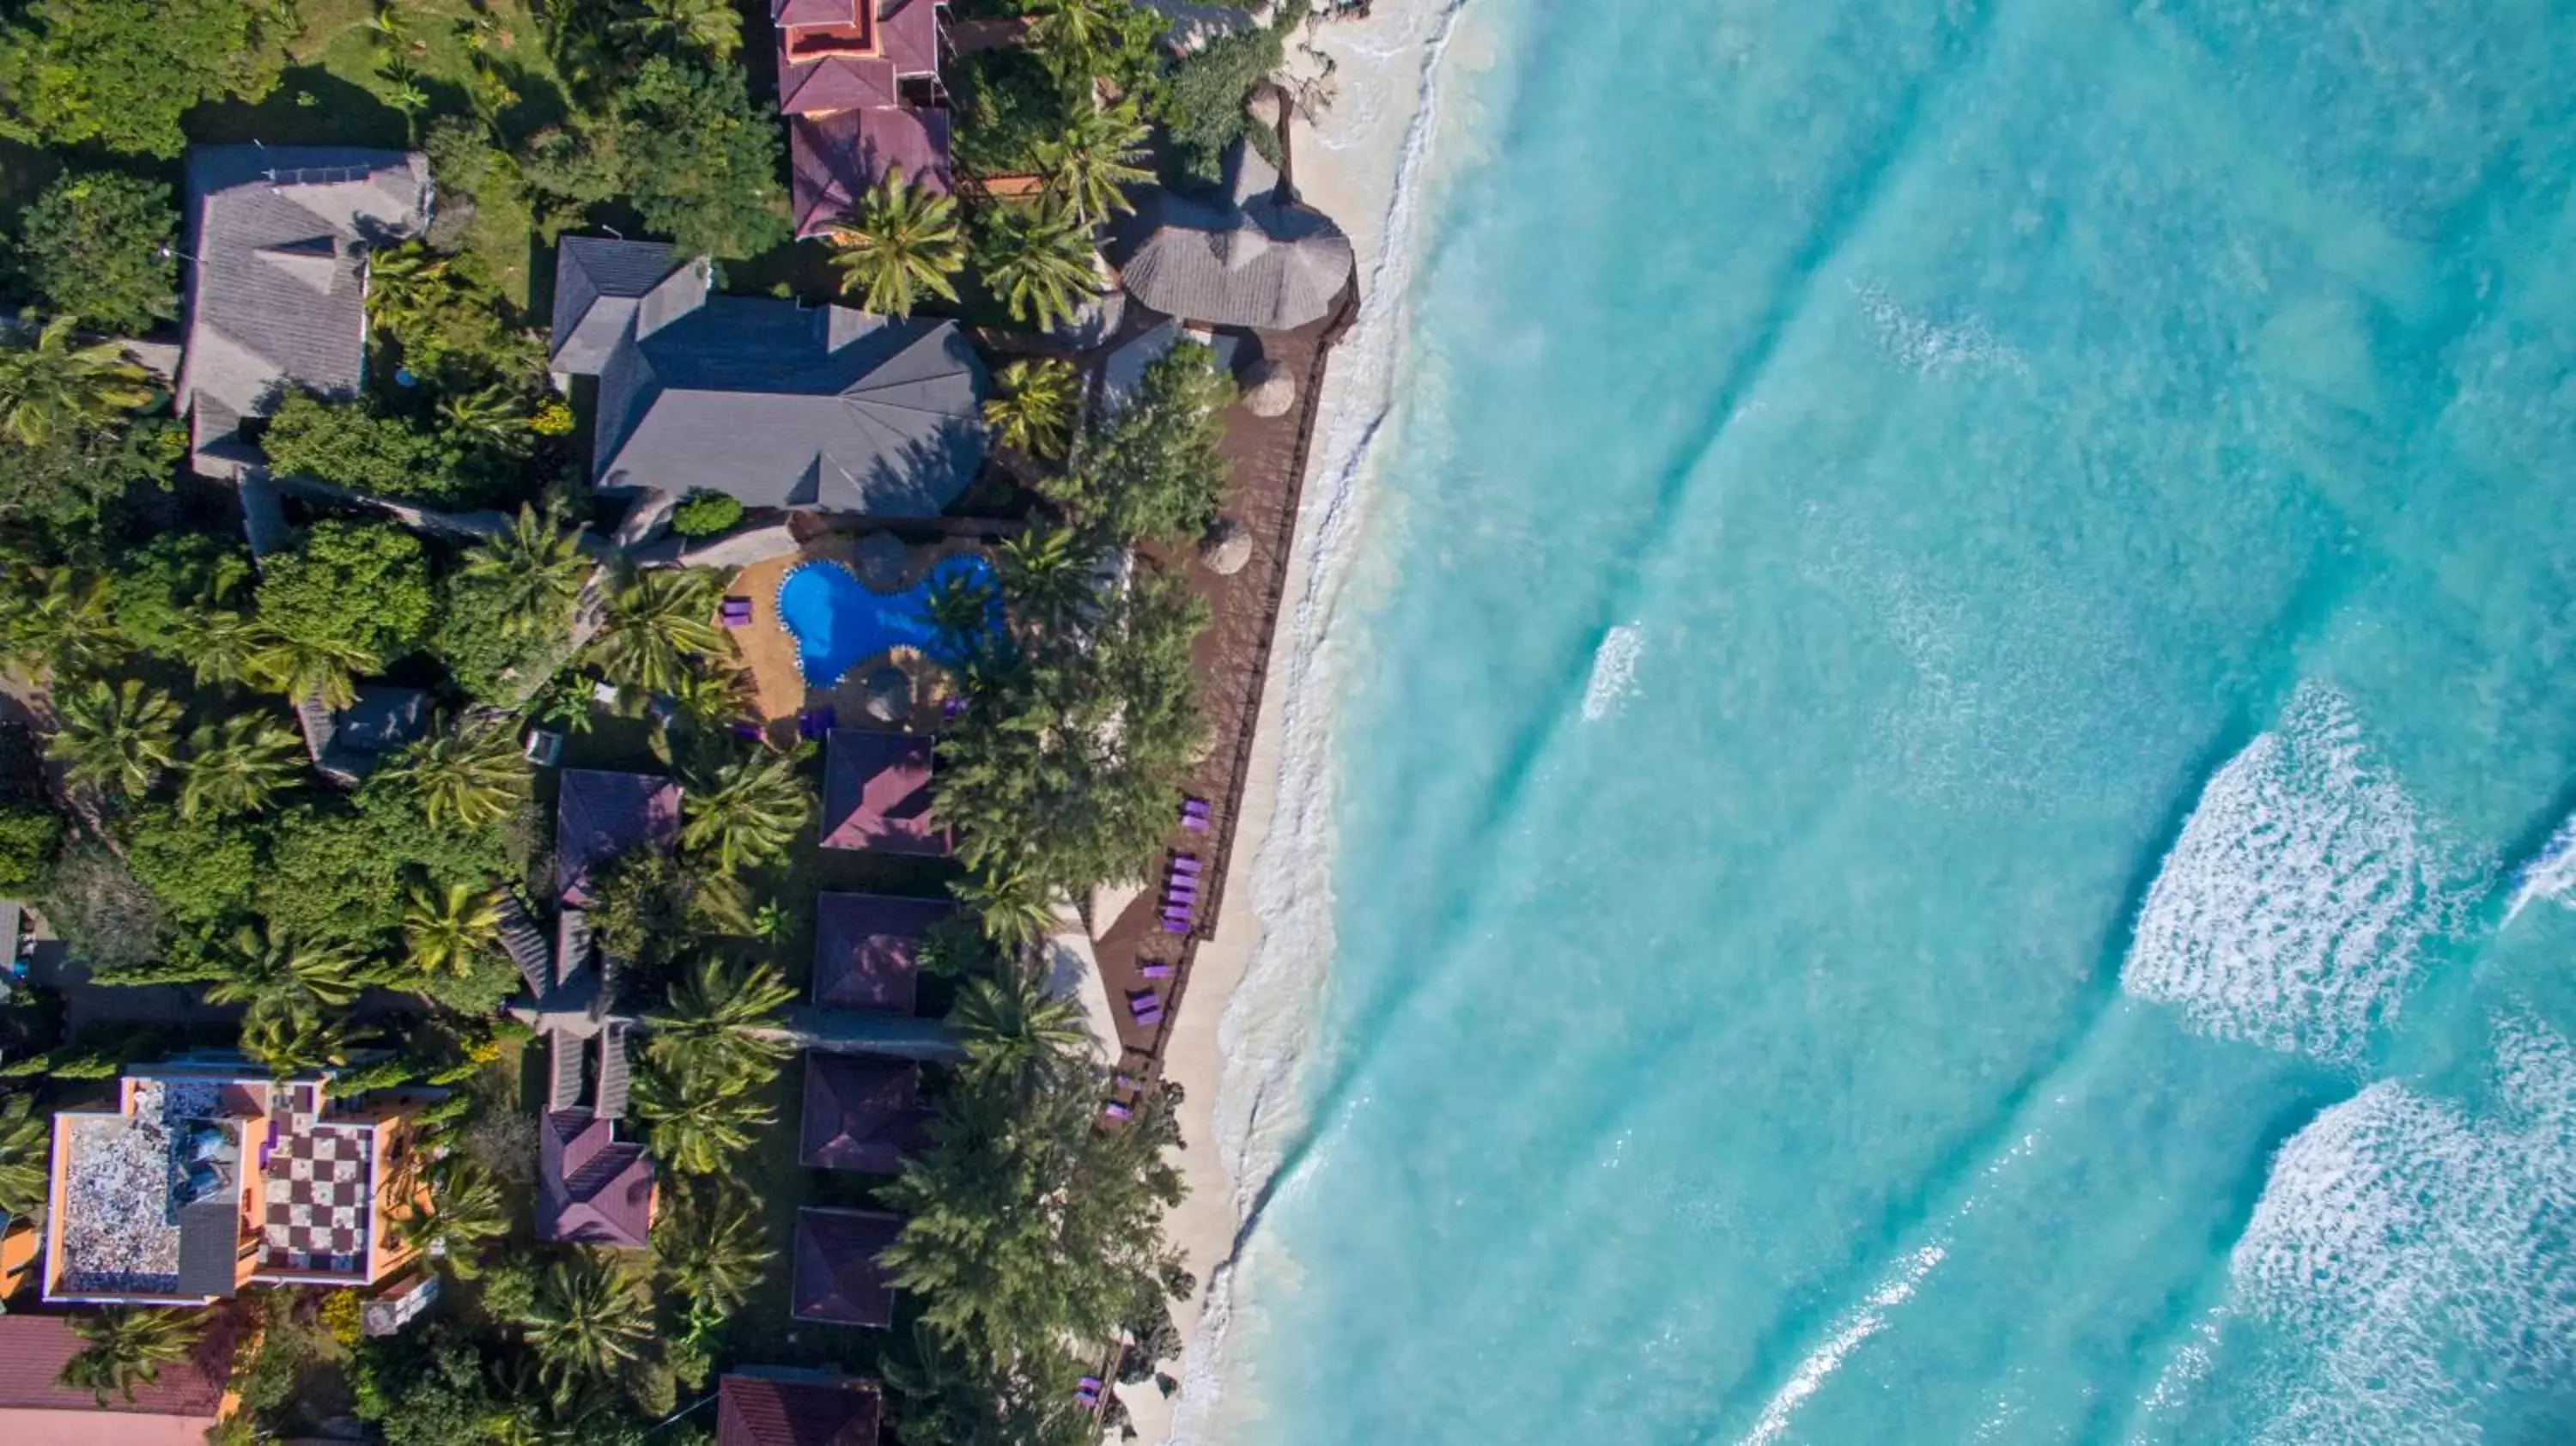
1243	1025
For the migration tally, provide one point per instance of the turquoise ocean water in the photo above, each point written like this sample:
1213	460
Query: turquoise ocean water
1946	812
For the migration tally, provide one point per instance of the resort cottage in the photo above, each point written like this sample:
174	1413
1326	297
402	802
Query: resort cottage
1247	259
876	794
866	949
858	81
188	1398
860	1113
775	1406
818	409
838	1278
277	295
207	1177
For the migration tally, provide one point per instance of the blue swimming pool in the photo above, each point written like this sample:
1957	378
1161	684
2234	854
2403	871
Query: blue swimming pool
839	622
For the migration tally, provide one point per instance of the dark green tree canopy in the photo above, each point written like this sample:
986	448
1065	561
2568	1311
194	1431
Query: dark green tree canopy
361	585
101	246
120	73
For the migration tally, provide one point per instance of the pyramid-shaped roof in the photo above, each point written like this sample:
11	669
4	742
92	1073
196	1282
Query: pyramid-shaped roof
603	287
861	1113
865	949
601	815
838	1277
876	794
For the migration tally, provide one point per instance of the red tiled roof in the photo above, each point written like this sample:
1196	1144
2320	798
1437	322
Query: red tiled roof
34	1349
865	949
860	1114
592	1188
834	83
837	1275
765	1411
876	794
834	159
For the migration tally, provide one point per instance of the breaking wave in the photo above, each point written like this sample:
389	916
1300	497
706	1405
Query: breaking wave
1614	672
2294	910
1867	1320
2551	875
2418	1251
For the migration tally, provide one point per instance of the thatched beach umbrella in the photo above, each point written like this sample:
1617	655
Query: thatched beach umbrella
881	560
1268	389
887	695
1226	548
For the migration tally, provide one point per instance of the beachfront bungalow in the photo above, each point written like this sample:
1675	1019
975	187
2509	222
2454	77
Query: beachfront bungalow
860	1113
1249	258
600	816
867	949
818	409
858	81
207	1177
186	1399
838	1278
776	1406
276	297
876	794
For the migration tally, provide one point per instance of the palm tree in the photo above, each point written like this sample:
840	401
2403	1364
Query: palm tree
711	696
26	1140
1095	154
405	285
491	412
700	1121
713	1021
54	387
70	627
904	240
1014	908
126	1348
473	773
446	931
277	976
223	646
117	738
289	1043
1034	411
960	612
657	623
1070	33
1015	1032
537	568
748	811
588	1323
324	669
1040	260
467	1210
235	765
1047	575
713	27
712	1248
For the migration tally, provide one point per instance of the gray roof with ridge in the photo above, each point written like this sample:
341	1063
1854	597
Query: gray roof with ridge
276	294
779	404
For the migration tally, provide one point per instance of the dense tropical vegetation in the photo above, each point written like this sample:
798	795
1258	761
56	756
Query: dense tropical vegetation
164	805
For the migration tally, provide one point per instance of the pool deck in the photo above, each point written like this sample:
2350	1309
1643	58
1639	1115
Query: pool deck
769	649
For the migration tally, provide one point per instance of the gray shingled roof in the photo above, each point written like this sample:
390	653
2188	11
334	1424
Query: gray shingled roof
601	286
277	295
784	406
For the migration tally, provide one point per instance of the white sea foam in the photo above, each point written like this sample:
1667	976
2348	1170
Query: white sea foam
1933	347
1614	671
1867	1320
2294	909
2551	875
1265	1033
2414	1251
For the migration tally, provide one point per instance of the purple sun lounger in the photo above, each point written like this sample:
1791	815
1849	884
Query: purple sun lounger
1184	864
1156	970
1116	1110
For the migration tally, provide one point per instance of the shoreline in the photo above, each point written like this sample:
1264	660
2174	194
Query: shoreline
1256	981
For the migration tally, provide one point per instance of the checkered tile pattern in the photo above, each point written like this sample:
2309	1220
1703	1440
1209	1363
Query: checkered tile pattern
320	1203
